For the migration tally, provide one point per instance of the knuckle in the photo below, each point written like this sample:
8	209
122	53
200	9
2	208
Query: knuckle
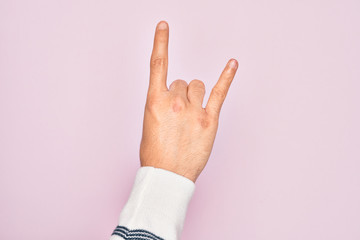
230	75
198	83
178	82
205	122
179	100
181	81
158	61
219	93
213	118
151	104
178	103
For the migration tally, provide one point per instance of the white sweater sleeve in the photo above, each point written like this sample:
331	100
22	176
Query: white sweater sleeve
157	206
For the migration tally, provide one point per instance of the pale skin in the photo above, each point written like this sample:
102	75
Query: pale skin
178	133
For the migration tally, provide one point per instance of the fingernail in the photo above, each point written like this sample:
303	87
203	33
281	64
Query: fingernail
162	25
233	63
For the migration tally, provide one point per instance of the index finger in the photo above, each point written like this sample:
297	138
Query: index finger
219	91
159	58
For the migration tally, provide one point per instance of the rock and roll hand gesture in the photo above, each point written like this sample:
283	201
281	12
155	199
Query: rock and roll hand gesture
178	133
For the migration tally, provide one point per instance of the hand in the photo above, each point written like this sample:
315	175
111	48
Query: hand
178	133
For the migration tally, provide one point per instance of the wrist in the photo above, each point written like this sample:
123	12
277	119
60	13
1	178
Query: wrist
186	173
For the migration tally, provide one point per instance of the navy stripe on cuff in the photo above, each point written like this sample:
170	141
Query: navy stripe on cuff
136	234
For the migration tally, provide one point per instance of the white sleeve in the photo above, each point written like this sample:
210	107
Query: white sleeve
157	206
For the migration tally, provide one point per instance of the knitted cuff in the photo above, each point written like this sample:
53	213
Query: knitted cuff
157	206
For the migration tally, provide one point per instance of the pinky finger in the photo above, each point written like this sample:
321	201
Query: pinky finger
219	91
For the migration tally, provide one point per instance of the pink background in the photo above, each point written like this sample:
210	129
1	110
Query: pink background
73	82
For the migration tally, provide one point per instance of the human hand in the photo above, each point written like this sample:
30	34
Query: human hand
178	133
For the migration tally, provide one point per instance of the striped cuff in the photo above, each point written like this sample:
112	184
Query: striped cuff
157	206
138	234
